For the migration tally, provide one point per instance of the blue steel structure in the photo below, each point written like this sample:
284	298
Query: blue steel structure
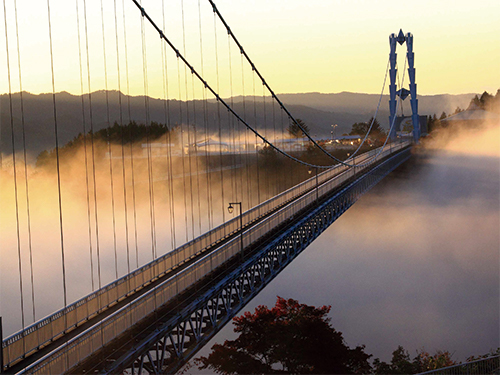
155	318
488	365
158	326
403	93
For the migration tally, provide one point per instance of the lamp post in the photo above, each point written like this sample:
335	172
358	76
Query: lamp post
230	209
333	131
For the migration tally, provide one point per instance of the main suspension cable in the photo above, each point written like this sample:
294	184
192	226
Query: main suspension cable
390	129
376	113
219	99
216	11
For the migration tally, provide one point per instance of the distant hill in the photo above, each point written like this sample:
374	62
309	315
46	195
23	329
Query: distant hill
367	103
318	111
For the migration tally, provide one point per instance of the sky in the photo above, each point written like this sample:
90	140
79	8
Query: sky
315	46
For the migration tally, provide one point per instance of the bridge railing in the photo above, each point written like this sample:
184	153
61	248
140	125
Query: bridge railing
111	327
37	335
488	365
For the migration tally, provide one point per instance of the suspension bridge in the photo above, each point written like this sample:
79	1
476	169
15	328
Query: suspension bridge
140	233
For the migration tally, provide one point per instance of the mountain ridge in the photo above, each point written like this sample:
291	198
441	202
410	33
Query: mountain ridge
319	111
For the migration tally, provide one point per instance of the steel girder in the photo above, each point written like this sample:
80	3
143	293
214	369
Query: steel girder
175	341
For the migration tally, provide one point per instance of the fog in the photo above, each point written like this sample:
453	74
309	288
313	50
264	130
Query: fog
415	262
168	200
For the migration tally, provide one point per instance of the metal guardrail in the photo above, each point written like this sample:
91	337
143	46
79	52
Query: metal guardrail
114	325
483	366
45	331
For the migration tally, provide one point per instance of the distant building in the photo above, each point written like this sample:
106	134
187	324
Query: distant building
207	146
292	144
347	140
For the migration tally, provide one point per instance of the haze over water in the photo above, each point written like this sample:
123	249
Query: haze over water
415	262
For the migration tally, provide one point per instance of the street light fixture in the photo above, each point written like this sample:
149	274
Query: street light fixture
333	131
230	209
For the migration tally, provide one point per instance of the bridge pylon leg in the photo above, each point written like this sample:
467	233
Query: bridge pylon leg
413	87
392	87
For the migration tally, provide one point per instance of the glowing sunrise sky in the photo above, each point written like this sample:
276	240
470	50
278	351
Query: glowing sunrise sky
299	46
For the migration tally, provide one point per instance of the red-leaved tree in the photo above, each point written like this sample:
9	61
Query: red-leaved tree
289	338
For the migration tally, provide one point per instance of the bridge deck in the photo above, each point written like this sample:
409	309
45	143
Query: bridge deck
113	309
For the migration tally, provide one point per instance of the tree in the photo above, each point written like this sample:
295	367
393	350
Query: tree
361	128
294	129
433	123
443	116
489	354
270	159
289	338
131	132
116	134
487	101
401	362
427	362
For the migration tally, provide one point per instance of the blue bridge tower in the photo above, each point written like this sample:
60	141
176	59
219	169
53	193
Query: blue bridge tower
403	93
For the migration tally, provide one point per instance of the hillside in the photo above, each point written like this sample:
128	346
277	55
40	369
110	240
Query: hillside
367	103
318	111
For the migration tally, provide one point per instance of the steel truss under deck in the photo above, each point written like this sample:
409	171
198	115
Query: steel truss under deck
174	338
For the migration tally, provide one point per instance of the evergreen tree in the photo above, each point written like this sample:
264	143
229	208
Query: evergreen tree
295	131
